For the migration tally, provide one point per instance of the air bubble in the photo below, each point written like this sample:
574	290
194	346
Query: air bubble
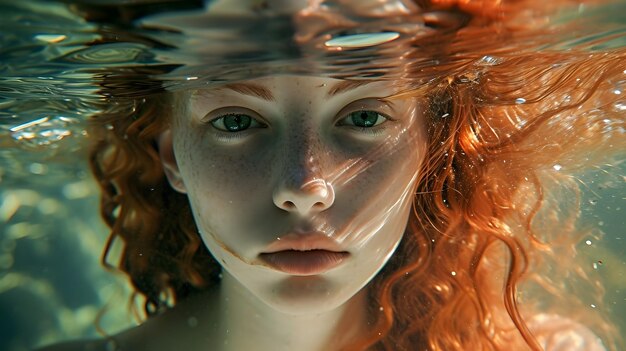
557	167
597	264
520	101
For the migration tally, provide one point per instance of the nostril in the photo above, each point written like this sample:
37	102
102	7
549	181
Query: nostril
289	205
319	205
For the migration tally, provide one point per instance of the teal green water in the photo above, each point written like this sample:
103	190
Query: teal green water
52	285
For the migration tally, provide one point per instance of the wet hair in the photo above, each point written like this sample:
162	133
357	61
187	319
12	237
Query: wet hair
506	133
488	220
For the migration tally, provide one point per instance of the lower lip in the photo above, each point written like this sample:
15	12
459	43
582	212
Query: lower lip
303	262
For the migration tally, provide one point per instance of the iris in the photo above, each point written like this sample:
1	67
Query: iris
364	118
237	122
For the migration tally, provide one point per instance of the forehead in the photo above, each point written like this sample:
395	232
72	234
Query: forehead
278	87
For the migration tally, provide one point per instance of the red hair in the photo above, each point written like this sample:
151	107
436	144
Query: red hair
485	205
504	138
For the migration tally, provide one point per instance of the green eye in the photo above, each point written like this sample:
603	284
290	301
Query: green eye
363	119
235	122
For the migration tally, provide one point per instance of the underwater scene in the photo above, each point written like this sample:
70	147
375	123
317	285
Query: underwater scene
65	64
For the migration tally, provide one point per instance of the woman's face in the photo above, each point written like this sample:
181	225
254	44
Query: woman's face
300	186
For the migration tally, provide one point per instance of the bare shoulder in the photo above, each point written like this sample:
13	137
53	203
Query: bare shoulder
557	333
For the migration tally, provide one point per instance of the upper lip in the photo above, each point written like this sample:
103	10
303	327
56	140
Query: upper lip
303	242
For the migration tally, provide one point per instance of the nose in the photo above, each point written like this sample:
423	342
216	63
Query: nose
303	189
312	197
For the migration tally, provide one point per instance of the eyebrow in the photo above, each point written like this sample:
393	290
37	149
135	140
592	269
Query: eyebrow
251	89
264	93
346	85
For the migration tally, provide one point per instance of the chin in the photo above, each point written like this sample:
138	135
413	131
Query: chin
306	295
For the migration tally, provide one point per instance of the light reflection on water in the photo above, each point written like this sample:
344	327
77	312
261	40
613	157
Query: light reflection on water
52	61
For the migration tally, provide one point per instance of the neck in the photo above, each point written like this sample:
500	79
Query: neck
247	323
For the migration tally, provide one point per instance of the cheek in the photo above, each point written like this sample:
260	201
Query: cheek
229	188
221	173
379	194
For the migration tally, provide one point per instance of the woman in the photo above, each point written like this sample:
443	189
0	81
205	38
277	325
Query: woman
292	211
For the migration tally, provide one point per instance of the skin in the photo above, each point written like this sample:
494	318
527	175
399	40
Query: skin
248	189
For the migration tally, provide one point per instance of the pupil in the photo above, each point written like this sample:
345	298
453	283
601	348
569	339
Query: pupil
365	118
235	123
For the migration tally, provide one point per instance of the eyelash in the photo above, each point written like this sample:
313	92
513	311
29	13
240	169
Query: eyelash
233	135
229	136
373	130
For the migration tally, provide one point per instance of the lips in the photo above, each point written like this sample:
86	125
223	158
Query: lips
303	254
309	262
